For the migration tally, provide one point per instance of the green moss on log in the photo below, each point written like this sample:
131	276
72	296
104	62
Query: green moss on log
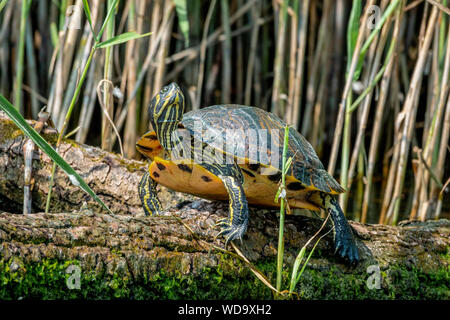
47	280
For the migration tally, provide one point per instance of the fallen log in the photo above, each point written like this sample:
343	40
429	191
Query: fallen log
79	251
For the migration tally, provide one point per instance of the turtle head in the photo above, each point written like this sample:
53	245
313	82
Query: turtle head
165	112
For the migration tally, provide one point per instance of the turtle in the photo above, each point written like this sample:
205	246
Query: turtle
233	152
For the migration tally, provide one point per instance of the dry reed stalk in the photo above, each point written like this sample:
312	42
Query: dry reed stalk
440	6
339	33
252	53
166	23
163	49
147	96
70	41
298	77
321	101
138	45
422	26
313	72
410	110
433	133
131	57
88	102
432	71
258	73
203	46
122	70
412	5
437	193
288	116
226	53
55	100
239	74
81	57
416	166
87	105
277	105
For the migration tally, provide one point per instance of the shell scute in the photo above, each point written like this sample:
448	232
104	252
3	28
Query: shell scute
253	135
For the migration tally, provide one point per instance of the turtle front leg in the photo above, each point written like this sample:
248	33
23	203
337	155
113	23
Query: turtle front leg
235	225
148	195
343	236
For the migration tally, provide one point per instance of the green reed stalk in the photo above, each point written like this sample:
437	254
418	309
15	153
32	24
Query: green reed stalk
280	253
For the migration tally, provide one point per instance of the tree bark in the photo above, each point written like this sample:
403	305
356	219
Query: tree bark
181	242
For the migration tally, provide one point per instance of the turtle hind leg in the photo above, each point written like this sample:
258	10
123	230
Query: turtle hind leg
148	195
235	226
343	237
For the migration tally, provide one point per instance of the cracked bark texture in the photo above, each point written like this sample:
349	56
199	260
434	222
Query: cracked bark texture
182	239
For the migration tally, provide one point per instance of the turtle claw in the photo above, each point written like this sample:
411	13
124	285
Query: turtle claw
346	248
220	221
231	232
223	224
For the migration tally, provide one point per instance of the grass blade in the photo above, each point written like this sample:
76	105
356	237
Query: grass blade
87	11
3	4
121	38
295	274
108	16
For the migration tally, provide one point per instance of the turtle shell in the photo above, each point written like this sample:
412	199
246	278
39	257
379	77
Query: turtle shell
254	136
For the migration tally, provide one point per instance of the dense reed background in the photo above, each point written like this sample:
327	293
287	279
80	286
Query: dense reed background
366	82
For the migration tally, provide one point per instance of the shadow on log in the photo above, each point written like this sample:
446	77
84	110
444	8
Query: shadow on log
176	255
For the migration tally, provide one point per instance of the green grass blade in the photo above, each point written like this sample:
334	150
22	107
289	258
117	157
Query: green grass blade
108	16
54	35
121	38
297	263
306	262
3	4
17	118
183	21
87	11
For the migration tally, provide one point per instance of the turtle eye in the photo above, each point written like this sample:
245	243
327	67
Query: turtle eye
165	89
